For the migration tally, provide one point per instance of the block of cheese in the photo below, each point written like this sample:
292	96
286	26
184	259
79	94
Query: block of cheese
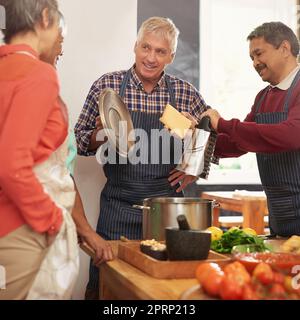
175	121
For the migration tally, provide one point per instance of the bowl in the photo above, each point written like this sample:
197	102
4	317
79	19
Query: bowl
187	244
279	261
247	248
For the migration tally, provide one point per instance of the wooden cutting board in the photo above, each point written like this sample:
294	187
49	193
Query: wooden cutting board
130	253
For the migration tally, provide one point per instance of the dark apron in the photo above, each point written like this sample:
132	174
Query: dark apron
279	173
130	184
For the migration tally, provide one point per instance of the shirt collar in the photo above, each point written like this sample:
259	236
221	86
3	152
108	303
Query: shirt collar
138	83
13	48
287	82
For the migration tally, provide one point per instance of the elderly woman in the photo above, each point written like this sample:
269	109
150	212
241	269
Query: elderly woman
38	248
102	249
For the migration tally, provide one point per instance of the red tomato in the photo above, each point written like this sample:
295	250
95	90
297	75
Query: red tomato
231	289
231	267
278	277
203	269
237	272
277	291
212	283
260	290
263	272
249	292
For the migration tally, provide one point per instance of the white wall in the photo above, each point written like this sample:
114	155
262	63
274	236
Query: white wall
101	36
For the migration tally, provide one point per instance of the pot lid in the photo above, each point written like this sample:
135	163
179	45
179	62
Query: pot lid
116	120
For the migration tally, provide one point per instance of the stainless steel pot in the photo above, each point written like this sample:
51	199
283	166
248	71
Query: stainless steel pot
159	213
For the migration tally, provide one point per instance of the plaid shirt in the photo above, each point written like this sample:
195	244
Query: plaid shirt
136	98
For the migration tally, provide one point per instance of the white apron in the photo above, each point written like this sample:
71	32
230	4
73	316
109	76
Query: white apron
59	270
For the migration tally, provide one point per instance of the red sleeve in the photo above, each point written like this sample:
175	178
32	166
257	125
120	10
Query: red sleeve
249	136
32	103
226	147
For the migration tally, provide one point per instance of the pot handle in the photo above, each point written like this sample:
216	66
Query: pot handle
136	206
215	204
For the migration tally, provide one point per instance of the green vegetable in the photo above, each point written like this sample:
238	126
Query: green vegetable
236	237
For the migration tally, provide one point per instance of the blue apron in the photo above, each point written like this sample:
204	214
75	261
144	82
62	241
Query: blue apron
280	175
130	184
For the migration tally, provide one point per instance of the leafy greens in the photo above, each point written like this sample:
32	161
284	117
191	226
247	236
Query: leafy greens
236	237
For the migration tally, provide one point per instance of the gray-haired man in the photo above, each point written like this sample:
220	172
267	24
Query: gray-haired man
272	128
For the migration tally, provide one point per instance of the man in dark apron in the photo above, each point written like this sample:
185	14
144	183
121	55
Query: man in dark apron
272	128
145	90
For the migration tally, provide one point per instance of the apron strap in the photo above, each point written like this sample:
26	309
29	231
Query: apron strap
168	82
290	92
259	103
124	83
171	91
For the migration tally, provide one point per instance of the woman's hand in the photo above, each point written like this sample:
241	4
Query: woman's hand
102	248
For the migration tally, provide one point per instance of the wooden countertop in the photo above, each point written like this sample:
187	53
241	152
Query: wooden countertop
252	205
120	280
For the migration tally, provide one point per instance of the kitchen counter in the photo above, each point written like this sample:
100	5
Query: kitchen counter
121	281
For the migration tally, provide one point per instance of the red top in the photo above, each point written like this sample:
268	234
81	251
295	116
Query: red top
32	126
236	138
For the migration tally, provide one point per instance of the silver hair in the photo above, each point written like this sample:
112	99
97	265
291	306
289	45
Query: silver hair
22	15
162	26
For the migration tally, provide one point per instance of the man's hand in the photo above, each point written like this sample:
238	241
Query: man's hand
179	176
190	117
214	117
94	144
99	124
103	250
